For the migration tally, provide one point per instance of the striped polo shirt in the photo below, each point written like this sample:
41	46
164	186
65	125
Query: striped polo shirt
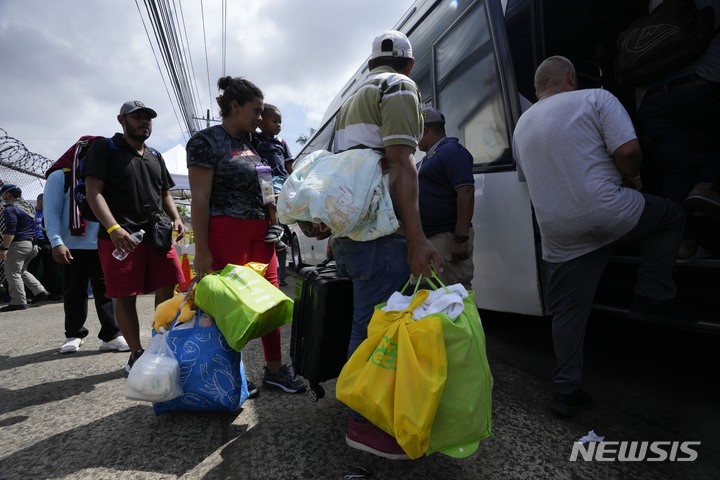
384	111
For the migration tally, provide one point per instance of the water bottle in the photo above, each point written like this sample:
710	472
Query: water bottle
137	237
264	174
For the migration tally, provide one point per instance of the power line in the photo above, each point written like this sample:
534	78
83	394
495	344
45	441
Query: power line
165	24
158	65
189	55
207	64
224	35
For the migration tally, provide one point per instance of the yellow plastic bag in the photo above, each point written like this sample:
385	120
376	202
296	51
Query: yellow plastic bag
396	377
260	268
179	307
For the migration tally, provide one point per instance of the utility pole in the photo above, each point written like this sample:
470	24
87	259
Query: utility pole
207	119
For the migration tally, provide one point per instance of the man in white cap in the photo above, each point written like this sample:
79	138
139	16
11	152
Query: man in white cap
384	114
127	185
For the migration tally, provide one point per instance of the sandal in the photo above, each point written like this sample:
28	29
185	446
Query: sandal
274	234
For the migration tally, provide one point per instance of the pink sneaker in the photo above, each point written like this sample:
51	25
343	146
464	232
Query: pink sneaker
369	438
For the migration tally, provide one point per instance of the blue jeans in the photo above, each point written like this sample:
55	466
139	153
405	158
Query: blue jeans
282	262
377	269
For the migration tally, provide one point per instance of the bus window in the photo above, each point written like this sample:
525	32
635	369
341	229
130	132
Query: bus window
523	45
322	140
469	90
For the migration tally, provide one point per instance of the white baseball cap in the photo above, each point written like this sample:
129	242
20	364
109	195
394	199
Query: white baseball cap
399	45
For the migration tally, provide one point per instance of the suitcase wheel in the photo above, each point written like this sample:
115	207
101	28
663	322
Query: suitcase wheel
316	393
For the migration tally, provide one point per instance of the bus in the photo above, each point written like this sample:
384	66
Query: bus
475	61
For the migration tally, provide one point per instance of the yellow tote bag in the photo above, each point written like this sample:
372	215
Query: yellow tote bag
396	377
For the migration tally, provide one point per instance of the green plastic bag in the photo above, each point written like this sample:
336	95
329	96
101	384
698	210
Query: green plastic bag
244	305
463	418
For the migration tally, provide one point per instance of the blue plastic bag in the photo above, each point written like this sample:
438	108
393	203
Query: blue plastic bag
212	375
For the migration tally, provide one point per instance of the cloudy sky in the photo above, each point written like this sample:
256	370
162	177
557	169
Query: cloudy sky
66	66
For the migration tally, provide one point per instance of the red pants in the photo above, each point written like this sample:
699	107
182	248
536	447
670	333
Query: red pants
236	241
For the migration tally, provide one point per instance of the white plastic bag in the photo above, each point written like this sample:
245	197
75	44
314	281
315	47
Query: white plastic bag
155	376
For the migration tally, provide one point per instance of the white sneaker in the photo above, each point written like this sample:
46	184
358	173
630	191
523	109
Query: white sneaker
71	345
117	344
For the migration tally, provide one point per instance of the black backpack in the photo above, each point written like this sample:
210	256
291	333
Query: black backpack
675	34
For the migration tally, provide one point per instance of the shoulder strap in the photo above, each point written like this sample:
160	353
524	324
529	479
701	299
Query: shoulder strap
68	178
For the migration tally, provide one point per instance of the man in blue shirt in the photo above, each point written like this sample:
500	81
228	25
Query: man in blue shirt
447	198
17	248
49	276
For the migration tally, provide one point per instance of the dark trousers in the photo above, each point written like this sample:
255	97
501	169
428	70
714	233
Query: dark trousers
50	278
675	117
86	267
572	284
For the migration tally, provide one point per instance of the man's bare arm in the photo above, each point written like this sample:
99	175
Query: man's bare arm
404	193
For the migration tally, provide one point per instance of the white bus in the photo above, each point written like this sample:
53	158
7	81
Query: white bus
475	61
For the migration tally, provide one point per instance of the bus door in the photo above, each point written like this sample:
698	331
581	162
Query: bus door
473	84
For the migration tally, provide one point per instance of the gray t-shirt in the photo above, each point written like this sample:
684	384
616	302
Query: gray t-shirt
564	148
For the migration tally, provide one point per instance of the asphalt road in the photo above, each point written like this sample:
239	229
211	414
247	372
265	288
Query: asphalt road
65	416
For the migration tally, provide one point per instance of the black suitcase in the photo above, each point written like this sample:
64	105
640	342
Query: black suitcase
322	320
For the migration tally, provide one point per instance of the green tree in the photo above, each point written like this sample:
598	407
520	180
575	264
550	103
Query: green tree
184	212
303	139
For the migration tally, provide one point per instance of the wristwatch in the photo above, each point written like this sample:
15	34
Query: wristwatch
3	248
460	238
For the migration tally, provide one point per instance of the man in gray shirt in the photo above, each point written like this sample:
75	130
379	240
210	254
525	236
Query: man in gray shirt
578	152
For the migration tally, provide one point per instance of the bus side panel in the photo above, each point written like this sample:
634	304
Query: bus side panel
506	277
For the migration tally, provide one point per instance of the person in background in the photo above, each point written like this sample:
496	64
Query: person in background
447	198
18	248
384	114
275	151
228	214
127	182
77	255
578	152
680	113
50	277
